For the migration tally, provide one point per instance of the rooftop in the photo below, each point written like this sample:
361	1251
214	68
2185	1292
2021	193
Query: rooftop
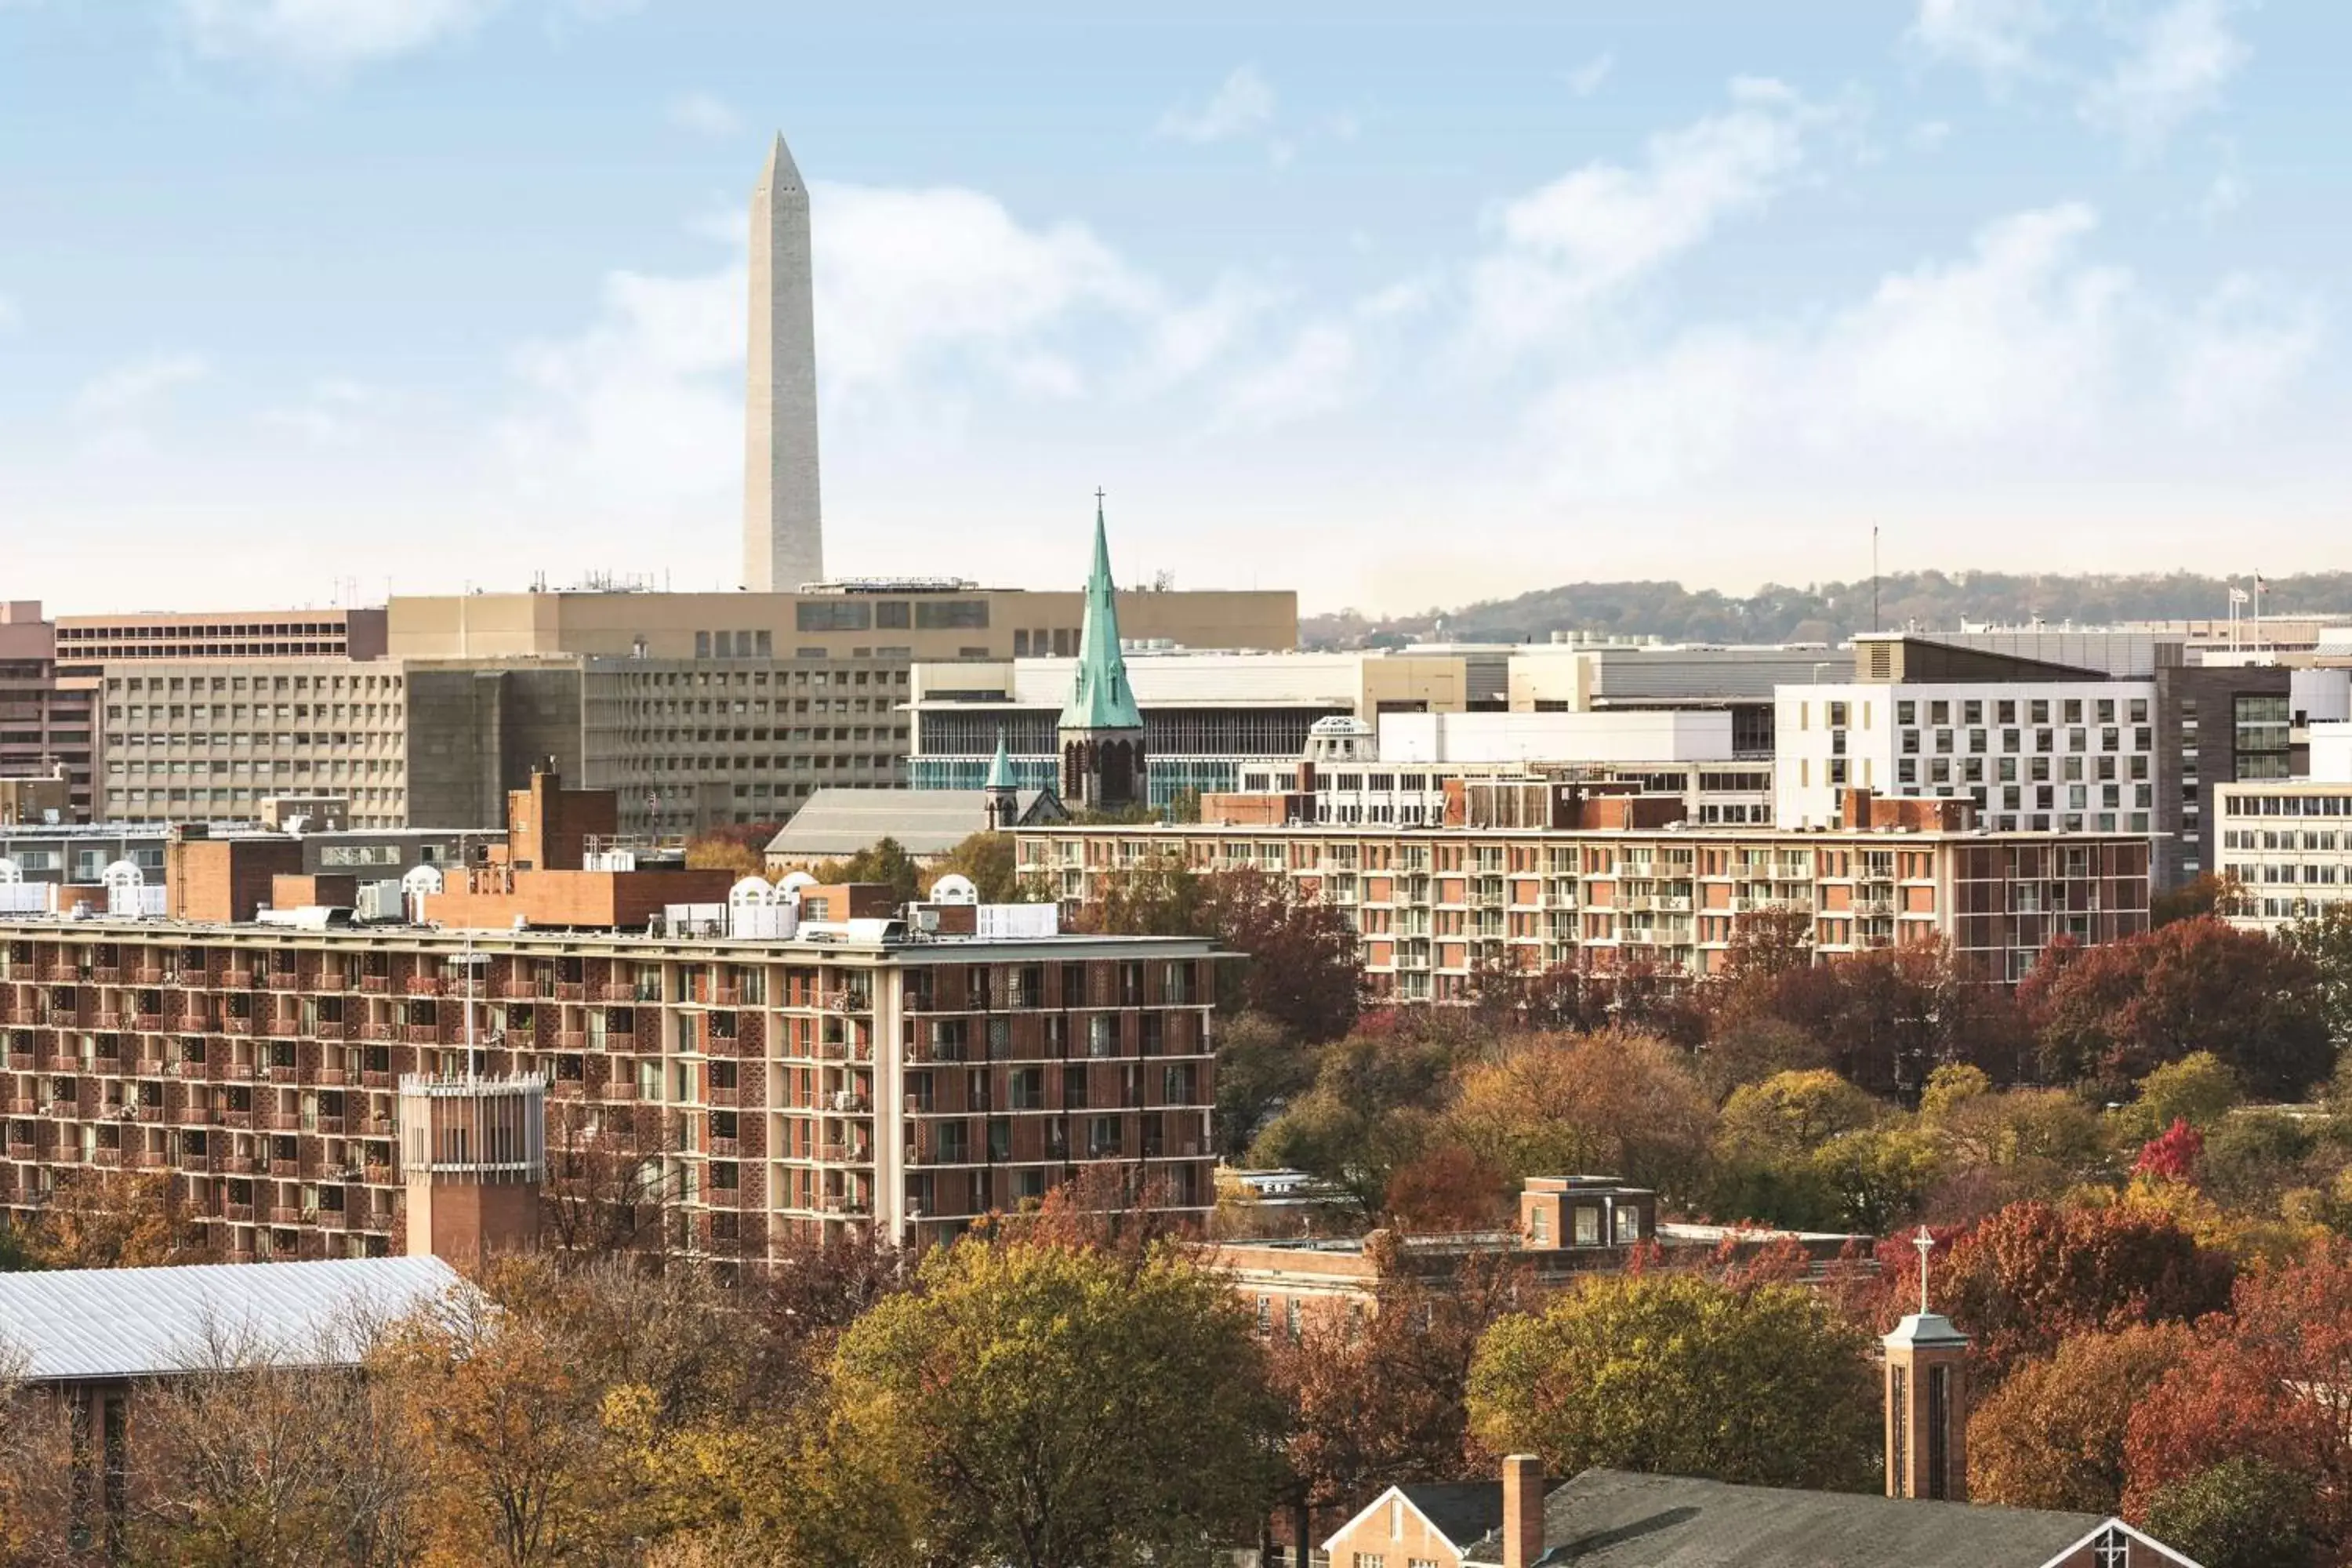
83	1324
1613	1519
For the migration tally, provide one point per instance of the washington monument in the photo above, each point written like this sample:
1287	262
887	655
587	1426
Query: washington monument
783	534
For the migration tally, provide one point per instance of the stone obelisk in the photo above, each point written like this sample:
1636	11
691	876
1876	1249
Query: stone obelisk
783	535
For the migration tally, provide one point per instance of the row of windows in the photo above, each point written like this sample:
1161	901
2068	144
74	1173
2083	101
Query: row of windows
2110	740
258	683
2248	838
2290	805
247	629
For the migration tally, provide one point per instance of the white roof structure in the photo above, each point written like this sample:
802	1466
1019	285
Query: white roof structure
100	1324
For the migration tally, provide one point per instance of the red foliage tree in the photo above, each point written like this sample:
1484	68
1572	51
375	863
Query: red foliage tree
2112	1014
2265	1383
2026	1277
1447	1188
2172	1154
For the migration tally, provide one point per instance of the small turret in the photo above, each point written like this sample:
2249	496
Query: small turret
1926	1400
1004	792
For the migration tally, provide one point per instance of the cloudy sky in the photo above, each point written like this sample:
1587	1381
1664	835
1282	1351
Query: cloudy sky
1396	305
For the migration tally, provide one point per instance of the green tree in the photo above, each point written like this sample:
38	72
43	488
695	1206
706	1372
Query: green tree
886	861
2326	940
1259	1070
1674	1373
987	859
1052	1407
2200	1088
1878	1177
2243	1513
1790	1114
1375	1105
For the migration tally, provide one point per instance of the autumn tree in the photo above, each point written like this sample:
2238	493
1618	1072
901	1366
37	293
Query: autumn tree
113	1219
1790	1114
2256	1385
1884	1018
2200	1088
1448	1187
2051	1435
250	1456
1550	1105
1303	969
2007	1146
1378	1395
1674	1373
2024	1280
1042	1406
2113	1013
2200	897
608	1189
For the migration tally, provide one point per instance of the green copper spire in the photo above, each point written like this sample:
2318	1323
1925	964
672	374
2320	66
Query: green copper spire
1000	770
1100	698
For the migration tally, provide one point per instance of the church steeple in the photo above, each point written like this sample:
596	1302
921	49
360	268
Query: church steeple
1101	728
1926	1400
1002	790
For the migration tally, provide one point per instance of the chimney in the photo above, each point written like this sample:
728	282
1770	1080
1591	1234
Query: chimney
1523	1511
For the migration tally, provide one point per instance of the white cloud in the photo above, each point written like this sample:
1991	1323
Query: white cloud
2239	348
2224	194
1605	225
1930	135
1316	373
325	37
2180	60
705	115
335	412
926	300
121	395
2024	350
2001	39
1242	106
904	276
1585	79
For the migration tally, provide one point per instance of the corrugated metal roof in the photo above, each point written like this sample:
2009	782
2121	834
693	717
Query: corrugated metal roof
100	1324
838	822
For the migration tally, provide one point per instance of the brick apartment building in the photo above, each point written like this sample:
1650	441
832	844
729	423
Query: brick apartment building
1543	875
852	1071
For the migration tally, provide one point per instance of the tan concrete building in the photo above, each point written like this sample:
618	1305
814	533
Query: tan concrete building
897	621
45	716
86	642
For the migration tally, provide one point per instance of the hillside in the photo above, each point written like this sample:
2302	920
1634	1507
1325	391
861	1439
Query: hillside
1826	612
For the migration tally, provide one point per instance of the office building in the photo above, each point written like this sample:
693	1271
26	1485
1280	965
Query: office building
2288	845
1606	880
45	718
86	642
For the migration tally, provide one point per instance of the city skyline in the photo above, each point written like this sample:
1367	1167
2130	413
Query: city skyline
454	293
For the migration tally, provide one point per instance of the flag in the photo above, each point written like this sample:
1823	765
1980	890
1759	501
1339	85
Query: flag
2259	583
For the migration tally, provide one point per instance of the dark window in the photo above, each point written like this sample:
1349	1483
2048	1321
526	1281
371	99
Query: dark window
833	615
892	615
943	615
1939	1379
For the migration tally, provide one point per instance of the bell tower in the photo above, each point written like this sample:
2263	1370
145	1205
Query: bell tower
1002	793
1101	730
1926	1400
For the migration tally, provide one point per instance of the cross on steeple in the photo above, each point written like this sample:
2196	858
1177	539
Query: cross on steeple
2111	1550
1926	1244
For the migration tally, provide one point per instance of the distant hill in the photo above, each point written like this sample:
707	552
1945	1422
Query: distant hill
1826	612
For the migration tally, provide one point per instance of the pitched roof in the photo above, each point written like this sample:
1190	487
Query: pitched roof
1100	696
1612	1518
838	822
102	1323
1000	766
1461	1512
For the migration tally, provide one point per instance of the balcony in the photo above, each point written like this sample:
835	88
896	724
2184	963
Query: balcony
726	1148
283	1121
193	1024
623	991
729	1094
620	1091
286	1170
421	1034
242	1120
238	1214
378	984
65	1110
424	986
331	1125
151	1160
109	1158
376	1174
331	1077
281	1214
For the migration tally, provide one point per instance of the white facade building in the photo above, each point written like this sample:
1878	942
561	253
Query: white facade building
1633	735
2036	756
2289	842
